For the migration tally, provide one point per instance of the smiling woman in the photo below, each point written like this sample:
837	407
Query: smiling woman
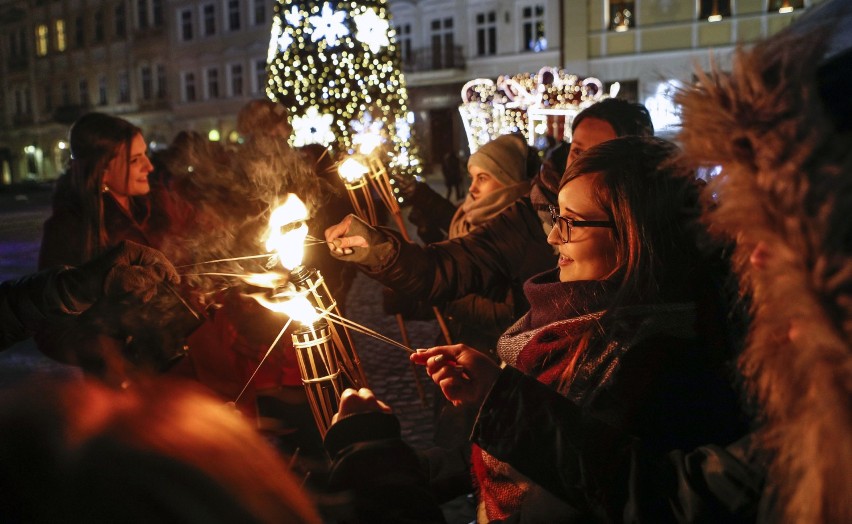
102	199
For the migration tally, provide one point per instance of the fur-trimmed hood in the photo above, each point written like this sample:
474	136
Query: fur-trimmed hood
784	196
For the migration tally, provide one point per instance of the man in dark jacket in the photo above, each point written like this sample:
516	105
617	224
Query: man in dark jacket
34	300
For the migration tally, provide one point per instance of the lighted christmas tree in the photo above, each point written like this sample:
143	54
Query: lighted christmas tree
335	65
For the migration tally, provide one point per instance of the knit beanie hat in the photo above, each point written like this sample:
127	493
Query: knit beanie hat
504	158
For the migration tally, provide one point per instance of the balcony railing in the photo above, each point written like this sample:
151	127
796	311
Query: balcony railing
434	59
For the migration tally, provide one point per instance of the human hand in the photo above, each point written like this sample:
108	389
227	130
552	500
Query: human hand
126	269
360	401
351	233
464	375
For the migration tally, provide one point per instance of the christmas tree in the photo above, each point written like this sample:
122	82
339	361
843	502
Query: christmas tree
335	66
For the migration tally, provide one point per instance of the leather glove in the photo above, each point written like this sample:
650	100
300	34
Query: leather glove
126	269
348	246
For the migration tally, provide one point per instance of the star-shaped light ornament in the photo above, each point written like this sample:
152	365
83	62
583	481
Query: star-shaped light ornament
372	30
313	128
284	41
328	25
293	16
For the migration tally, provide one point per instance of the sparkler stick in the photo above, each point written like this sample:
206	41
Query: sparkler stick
225	260
367	331
268	351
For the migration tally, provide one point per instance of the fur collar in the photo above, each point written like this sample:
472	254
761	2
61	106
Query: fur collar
786	186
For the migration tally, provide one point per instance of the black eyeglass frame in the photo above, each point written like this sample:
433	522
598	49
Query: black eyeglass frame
570	223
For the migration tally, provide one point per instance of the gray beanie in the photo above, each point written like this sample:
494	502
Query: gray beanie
504	158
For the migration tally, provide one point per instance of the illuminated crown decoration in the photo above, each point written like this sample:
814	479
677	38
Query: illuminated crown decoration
535	105
336	66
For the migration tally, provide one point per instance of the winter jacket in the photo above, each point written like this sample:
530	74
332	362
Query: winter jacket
502	253
27	303
112	332
648	375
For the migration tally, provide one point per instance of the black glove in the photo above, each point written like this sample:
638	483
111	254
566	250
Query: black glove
126	269
378	250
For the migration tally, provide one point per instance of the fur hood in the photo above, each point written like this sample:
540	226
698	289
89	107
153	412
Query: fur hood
785	188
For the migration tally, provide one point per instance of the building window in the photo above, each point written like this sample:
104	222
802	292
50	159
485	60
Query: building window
157	12
120	20
186	24
99	26
233	15
83	87
48	99
785	6
79	32
486	33
59	31
142	20
64	93
622	16
403	37
236	80
41	39
260	76
532	28
714	10
259	12
124	87
189	87
212	82
442	43
161	81
208	17
18	44
147	80
102	90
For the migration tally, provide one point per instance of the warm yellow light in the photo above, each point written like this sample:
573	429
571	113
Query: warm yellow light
352	171
287	232
714	18
294	306
269	279
788	9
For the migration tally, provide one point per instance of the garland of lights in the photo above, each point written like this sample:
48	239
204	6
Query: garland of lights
335	65
523	103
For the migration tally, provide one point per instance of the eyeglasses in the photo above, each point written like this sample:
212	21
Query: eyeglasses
564	225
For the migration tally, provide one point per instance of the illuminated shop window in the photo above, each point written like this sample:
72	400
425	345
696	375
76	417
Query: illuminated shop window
622	16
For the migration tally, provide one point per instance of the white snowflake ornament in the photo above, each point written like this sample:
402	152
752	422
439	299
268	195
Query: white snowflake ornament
328	25
372	30
313	128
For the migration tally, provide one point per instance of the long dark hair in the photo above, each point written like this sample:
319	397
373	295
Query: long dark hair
96	138
655	207
663	254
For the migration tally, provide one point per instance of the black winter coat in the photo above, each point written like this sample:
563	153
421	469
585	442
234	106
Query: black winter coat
504	252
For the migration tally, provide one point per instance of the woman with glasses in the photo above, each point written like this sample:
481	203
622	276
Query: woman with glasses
628	327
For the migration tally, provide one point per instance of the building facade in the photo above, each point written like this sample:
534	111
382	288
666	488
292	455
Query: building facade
172	65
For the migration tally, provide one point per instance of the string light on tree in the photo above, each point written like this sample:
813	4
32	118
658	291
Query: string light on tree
338	61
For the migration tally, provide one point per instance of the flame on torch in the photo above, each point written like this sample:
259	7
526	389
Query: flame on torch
287	232
352	171
297	307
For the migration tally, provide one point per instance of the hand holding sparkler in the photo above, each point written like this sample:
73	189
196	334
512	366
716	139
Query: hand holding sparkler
464	375
359	401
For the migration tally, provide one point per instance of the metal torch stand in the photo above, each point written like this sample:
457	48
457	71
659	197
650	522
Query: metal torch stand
320	371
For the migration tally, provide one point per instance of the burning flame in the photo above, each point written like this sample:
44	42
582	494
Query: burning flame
297	307
352	171
287	231
270	279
